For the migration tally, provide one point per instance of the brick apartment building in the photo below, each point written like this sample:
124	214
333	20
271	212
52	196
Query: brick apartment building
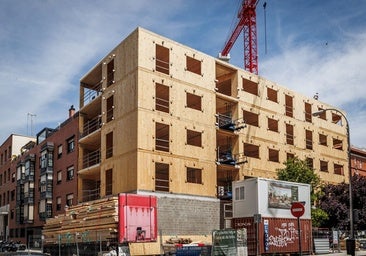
39	178
358	161
160	118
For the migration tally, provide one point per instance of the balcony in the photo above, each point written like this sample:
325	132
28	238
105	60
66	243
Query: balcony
91	126
91	158
91	194
227	123
225	156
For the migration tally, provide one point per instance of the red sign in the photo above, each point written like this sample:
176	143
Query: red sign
297	209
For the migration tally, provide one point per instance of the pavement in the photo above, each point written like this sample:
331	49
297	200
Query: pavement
343	253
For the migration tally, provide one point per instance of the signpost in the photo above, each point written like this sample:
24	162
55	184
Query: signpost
297	210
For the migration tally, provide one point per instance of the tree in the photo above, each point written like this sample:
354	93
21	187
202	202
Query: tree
297	170
335	201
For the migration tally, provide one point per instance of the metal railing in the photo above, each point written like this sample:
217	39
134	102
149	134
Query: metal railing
91	94
91	158
91	194
162	66
91	126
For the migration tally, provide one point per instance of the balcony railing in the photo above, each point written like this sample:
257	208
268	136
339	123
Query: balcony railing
91	158
225	156
91	194
91	126
91	94
227	123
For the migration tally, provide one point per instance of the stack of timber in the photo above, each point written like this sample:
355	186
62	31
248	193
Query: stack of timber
90	221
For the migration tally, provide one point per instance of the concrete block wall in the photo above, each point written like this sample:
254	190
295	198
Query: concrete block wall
188	216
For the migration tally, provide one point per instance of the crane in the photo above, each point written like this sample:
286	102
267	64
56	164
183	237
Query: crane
247	23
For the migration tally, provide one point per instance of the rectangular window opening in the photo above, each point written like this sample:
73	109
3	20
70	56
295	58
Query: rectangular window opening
194	101
162	59
194	138
308	112
250	87
162	177
323	166
110	73
289	105
110	108
338	169
162	98
251	150
337	144
336	119
309	139
323	139
108	182
251	118
272	124
289	134
193	65
109	145
272	95
273	155
194	175
162	137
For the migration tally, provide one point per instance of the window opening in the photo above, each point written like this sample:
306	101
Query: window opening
290	156
110	73
69	199
110	108
251	150
289	105
308	112
250	87
70	145
194	138
272	124
337	144
323	166
109	145
108	182
162	98
272	95
193	65
273	155
336	119
289	134
58	206
309	139
162	177
194	101
310	162
162	137
240	193
322	114
323	139
251	118
59	151
338	169
194	175
70	173
162	59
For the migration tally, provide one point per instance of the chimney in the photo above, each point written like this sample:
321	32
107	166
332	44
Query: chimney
71	111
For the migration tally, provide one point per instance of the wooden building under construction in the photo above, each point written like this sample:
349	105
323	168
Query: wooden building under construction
160	118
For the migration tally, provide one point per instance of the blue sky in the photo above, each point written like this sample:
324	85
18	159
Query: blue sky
46	46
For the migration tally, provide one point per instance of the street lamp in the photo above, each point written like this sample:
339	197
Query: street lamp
351	237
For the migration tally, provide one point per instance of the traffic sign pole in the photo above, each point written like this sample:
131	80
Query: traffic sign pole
297	210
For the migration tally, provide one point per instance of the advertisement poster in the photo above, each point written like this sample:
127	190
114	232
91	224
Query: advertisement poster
281	195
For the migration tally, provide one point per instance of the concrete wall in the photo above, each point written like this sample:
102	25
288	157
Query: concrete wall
189	215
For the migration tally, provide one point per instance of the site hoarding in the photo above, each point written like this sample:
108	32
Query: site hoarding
137	218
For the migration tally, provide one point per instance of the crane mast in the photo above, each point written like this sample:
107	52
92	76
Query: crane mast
246	23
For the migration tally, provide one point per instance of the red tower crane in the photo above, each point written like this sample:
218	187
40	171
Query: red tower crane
247	23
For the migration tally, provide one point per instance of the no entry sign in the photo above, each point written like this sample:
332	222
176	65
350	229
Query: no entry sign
297	209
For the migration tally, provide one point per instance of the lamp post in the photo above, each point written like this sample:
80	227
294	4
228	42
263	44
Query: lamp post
352	241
